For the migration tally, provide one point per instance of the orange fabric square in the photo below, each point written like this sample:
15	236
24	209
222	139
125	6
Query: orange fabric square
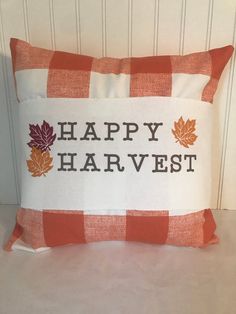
147	226
194	63
70	61
63	227
16	234
32	224
156	64
68	83
209	228
104	227
24	56
111	65
219	59
186	230
150	84
209	90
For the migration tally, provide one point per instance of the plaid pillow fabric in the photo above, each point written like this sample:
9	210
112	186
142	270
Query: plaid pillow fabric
62	74
41	73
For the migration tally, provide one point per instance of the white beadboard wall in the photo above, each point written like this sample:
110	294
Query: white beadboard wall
121	28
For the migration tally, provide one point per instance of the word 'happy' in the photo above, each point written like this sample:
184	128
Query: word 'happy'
67	130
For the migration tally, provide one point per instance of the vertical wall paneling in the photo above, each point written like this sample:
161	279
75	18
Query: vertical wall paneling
227	196
182	28
143	27
130	24
169	26
78	27
13	25
221	34
40	32
209	24
91	27
156	26
222	22
52	24
104	28
26	19
116	28
195	28
8	182
64	24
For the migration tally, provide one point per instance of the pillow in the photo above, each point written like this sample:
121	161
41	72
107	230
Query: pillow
71	104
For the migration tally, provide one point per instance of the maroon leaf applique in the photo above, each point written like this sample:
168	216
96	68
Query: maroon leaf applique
42	137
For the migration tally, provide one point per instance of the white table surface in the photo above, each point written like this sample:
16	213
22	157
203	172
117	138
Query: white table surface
120	277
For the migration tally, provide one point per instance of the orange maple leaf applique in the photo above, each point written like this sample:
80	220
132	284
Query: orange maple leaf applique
40	162
184	132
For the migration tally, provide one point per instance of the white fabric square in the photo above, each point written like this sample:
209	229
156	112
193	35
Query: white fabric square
105	212
31	83
188	85
109	85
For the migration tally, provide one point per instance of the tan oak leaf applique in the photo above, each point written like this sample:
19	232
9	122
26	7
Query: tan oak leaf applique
40	162
184	132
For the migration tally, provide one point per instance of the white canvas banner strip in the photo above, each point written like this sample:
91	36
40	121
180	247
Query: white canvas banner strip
150	153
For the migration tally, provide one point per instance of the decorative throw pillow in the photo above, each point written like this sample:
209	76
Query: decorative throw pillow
114	149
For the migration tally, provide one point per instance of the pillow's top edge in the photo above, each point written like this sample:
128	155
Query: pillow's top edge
227	48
